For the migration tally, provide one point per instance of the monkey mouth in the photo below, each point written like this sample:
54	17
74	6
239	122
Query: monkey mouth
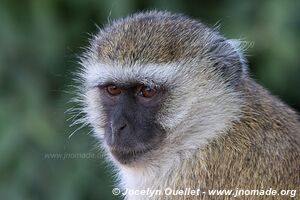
127	156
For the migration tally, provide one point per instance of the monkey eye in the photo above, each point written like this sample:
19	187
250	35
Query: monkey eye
113	90
147	92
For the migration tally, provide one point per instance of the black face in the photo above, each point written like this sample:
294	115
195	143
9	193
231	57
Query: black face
131	130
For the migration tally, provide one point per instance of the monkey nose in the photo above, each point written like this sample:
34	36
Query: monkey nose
116	133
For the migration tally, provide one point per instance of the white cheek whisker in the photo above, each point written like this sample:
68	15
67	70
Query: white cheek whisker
82	126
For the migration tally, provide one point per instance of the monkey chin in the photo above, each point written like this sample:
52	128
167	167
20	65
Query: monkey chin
127	156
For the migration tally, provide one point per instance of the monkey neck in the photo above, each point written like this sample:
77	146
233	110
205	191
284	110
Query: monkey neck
174	171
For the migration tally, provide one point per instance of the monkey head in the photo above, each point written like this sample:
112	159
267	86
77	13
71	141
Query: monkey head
155	83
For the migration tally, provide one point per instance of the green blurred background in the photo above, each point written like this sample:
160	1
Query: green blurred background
39	43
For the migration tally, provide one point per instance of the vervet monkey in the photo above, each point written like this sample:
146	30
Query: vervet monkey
174	107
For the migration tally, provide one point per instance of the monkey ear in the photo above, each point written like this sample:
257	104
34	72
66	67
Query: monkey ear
240	47
229	59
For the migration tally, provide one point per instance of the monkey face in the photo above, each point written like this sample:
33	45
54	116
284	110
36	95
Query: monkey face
143	111
131	129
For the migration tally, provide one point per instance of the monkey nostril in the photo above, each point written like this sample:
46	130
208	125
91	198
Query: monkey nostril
122	127
116	130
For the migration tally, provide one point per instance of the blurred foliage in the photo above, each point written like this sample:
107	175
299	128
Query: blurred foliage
39	42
